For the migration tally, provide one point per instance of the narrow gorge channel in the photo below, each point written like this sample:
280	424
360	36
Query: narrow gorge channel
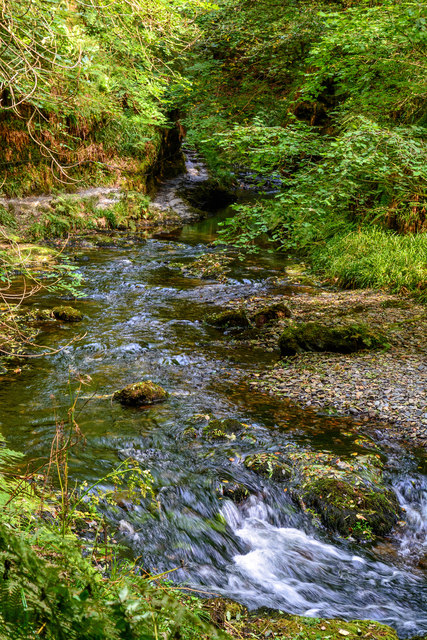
143	319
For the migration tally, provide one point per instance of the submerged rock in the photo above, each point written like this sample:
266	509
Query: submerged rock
359	511
311	336
229	318
67	314
228	428
269	466
269	313
234	491
141	393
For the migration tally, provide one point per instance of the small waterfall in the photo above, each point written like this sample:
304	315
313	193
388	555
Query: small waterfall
289	569
412	495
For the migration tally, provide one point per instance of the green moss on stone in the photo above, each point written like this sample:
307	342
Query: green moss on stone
311	336
266	623
352	510
141	393
222	429
230	318
234	491
269	466
67	314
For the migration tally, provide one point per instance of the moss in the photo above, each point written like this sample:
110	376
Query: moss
311	336
234	491
141	393
269	466
67	314
269	313
352	510
210	266
229	318
266	623
221	429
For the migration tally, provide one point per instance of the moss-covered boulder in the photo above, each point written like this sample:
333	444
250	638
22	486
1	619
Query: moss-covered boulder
67	314
311	336
234	491
228	319
270	313
141	393
266	623
228	428
352	510
268	465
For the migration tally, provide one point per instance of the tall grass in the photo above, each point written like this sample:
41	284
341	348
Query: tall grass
373	257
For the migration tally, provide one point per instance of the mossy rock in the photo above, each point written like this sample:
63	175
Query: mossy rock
269	466
270	313
230	318
311	336
234	491
357	511
267	623
228	428
67	314
141	393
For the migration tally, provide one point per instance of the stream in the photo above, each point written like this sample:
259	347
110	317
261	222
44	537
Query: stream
144	320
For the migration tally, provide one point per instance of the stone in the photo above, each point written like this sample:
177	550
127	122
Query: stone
67	314
141	393
357	511
229	318
269	466
311	336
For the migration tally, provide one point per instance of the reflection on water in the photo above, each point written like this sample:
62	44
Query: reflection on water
144	319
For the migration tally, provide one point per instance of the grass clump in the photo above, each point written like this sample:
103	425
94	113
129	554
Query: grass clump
376	258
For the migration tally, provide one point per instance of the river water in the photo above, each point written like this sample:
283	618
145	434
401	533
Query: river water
144	320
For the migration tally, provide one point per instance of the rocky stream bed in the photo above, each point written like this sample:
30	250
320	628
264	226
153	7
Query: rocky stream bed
292	482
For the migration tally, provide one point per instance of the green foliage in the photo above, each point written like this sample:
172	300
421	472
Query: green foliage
378	259
84	85
48	589
329	100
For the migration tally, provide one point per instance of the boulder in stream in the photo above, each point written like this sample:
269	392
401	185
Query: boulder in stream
312	336
269	466
228	319
228	428
67	314
352	510
141	393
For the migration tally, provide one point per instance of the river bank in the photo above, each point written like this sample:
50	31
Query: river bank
385	389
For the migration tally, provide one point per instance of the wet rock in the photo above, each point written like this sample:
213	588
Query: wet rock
311	336
234	491
229	318
42	315
268	623
141	393
357	511
270	313
228	428
67	314
269	466
211	266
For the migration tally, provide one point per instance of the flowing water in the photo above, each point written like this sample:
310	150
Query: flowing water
143	320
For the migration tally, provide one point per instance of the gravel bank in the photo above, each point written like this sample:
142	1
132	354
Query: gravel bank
386	386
